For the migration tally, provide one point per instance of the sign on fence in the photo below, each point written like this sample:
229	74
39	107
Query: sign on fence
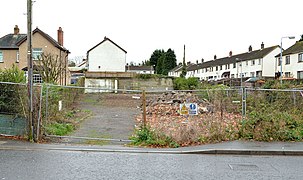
189	109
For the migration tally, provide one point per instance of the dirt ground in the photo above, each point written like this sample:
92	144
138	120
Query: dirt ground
113	116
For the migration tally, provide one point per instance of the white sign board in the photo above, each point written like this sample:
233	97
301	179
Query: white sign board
189	109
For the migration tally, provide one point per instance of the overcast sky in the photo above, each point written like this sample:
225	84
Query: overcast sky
206	27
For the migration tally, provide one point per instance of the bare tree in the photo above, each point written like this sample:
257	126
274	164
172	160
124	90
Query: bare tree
51	67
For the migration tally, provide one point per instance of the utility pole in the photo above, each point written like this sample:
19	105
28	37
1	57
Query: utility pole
30	70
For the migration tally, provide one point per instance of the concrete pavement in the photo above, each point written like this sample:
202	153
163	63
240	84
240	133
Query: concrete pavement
233	148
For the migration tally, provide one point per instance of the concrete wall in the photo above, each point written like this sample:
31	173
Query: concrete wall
130	84
147	84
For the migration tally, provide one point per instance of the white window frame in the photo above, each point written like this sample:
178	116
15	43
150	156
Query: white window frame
287	60
252	62
17	57
260	61
36	53
1	56
299	74
300	57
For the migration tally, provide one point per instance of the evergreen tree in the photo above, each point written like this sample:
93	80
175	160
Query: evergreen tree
155	57
170	61
160	68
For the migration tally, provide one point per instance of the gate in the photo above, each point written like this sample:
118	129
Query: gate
101	116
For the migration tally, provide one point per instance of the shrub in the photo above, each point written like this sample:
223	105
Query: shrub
147	137
186	84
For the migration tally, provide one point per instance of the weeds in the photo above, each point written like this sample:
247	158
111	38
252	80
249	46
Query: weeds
147	137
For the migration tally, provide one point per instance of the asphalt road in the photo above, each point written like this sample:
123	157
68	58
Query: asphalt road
46	164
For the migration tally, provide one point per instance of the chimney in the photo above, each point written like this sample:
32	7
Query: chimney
262	45
202	60
188	63
215	57
16	30
230	53
60	36
249	48
197	62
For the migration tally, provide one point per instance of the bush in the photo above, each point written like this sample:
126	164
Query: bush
186	84
59	129
146	137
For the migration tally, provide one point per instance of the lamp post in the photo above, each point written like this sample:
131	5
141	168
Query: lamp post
289	37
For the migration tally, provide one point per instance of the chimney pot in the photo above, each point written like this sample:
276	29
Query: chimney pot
249	48
262	45
230	53
60	36
188	62
202	60
215	57
16	30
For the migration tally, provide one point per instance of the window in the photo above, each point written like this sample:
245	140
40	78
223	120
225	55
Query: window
260	61
217	68
300	58
279	62
287	60
232	76
246	63
287	74
221	67
37	78
300	75
1	57
17	58
252	74
37	53
252	62
259	73
234	65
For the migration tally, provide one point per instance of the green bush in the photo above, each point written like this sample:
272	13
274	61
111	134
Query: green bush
186	84
59	129
146	137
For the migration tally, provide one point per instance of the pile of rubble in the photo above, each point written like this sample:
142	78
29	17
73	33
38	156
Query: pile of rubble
169	103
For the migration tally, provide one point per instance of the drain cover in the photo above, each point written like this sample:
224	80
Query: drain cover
244	167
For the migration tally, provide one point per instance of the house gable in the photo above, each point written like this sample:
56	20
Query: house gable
106	56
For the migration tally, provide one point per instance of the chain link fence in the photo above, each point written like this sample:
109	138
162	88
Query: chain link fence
14	108
89	115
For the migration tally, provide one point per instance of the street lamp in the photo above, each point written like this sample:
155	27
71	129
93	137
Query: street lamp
289	37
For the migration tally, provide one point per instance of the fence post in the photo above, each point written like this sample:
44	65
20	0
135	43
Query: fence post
46	104
243	102
39	114
144	108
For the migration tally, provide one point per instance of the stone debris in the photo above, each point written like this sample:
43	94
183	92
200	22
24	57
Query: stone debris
169	103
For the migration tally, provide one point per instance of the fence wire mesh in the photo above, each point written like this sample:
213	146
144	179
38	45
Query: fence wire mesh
81	117
219	111
14	108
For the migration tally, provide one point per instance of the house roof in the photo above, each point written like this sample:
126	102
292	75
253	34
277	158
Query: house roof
139	68
107	39
46	36
296	48
257	54
10	41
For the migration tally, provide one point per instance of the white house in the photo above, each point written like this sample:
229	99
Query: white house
106	56
258	63
292	61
